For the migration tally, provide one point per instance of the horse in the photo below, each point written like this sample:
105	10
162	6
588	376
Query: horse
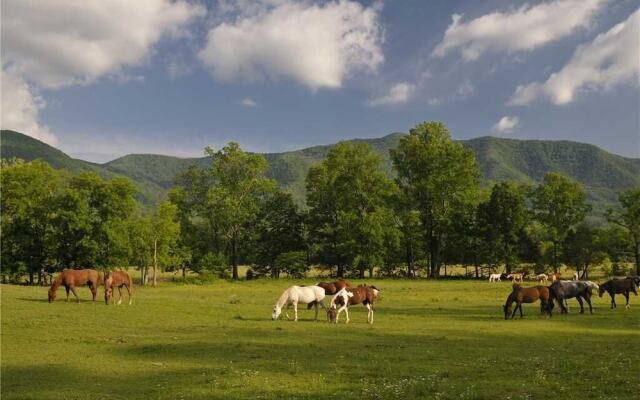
618	286
362	294
495	277
555	276
70	278
563	290
516	277
521	295
333	287
575	277
295	295
117	279
542	278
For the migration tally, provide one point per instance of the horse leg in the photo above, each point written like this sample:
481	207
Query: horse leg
286	311
120	292
129	291
587	298
67	289
94	291
626	296
579	298
316	306
295	311
75	293
613	300
369	313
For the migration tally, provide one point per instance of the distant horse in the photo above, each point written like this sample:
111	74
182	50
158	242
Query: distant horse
618	286
117	279
563	290
295	295
70	278
516	277
555	276
521	295
575	277
362	294
495	277
542	278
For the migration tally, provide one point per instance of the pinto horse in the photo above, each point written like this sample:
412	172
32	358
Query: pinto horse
563	290
521	295
117	279
70	278
618	286
362	294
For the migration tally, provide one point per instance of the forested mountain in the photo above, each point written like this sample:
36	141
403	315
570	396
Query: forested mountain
603	174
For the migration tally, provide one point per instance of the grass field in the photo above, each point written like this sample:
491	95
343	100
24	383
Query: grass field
431	339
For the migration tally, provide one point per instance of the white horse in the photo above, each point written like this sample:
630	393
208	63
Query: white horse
298	294
495	278
542	278
576	277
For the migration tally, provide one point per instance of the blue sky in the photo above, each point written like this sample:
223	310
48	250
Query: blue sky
103	79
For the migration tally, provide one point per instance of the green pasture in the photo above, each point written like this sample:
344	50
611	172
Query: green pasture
431	339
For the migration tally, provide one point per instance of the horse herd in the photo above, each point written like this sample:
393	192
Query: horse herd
560	291
345	295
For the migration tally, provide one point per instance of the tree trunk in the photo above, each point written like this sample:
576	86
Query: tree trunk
340	271
636	246
184	271
155	262
409	254
361	272
234	257
555	257
434	252
477	271
142	281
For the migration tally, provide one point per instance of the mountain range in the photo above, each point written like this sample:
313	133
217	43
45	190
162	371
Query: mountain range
603	174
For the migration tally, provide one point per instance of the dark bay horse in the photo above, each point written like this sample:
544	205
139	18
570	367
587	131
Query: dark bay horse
563	290
521	295
618	286
70	278
117	279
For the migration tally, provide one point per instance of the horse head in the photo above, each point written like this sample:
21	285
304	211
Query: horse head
276	312
332	314
52	295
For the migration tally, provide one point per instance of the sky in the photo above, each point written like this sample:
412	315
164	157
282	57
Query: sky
101	79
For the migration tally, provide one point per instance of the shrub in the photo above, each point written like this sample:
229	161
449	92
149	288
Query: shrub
293	263
217	264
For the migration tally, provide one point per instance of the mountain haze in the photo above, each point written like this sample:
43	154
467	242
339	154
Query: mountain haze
603	174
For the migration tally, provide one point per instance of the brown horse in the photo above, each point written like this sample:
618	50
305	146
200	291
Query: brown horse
70	278
333	287
348	296
618	286
117	279
521	295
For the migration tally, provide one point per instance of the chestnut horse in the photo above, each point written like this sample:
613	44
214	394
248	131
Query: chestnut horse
70	278
348	296
521	295
333	287
618	286
117	279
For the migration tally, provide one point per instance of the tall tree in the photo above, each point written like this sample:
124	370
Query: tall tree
583	247
629	218
559	204
164	231
349	218
239	188
501	219
439	175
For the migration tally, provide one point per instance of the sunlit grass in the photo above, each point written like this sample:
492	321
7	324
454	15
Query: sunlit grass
442	339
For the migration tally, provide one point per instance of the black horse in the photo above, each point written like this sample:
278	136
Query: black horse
618	286
562	290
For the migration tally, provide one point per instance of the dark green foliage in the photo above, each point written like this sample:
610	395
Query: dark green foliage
629	219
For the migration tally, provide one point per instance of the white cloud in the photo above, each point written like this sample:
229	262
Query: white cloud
466	88
506	125
248	102
20	108
524	29
315	45
610	59
58	43
398	94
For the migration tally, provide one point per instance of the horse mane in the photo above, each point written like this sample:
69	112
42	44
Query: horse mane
283	298
56	283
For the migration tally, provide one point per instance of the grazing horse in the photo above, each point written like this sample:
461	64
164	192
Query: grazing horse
542	278
117	279
362	294
563	290
295	295
516	277
521	295
70	278
495	277
618	286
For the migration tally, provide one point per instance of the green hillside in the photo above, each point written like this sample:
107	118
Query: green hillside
603	174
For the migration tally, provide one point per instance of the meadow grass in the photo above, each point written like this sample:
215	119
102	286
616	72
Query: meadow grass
430	339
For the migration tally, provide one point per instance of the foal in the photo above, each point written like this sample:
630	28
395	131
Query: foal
618	286
521	295
117	279
363	294
70	278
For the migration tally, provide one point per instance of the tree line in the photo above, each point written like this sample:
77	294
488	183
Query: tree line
432	214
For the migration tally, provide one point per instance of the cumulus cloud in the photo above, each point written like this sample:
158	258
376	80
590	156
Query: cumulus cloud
317	45
397	94
609	60
506	125
20	108
59	43
248	102
524	29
